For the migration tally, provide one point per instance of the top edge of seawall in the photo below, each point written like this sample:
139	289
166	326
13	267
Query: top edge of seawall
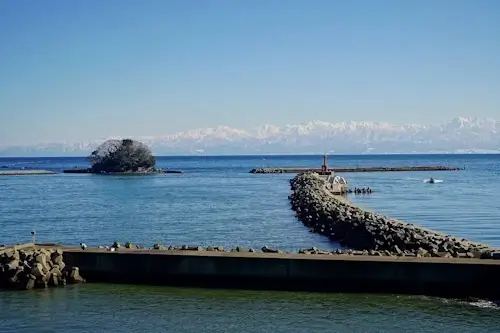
289	256
262	255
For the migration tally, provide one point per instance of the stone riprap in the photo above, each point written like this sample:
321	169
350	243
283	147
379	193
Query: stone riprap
116	246
264	249
28	268
354	228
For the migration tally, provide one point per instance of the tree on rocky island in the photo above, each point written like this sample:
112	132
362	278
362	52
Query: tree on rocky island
121	156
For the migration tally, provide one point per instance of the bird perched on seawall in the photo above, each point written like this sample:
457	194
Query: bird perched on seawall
83	246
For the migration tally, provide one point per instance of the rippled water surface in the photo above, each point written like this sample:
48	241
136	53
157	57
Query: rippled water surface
118	308
218	202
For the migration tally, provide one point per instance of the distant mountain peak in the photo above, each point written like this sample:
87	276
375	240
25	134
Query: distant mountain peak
470	134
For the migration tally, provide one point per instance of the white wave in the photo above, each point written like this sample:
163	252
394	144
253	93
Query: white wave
484	304
435	180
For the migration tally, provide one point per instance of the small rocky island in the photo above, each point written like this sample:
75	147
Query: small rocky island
122	157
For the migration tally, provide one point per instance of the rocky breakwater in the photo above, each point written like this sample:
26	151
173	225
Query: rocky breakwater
335	217
29	268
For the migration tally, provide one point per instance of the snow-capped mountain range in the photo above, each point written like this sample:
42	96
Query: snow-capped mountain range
459	135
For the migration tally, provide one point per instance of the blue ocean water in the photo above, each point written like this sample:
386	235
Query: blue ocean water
217	202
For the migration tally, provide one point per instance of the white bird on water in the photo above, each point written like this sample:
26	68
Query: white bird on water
83	246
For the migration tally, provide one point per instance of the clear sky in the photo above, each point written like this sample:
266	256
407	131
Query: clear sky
77	70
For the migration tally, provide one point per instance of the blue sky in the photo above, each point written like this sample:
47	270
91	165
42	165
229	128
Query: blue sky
77	70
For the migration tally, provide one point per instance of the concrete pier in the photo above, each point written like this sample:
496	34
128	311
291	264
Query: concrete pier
445	277
356	169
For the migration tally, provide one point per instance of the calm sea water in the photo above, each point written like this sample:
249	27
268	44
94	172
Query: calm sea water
117	309
217	202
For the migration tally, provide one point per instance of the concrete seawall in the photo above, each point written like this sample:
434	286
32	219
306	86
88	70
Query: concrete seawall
350	272
446	277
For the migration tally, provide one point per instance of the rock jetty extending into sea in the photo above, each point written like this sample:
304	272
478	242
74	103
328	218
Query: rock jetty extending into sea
341	221
29	267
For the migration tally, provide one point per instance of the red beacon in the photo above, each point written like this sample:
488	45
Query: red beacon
324	167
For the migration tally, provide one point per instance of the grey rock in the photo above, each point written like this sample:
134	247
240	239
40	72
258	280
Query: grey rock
192	248
37	271
54	279
159	247
266	249
243	249
74	276
30	283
